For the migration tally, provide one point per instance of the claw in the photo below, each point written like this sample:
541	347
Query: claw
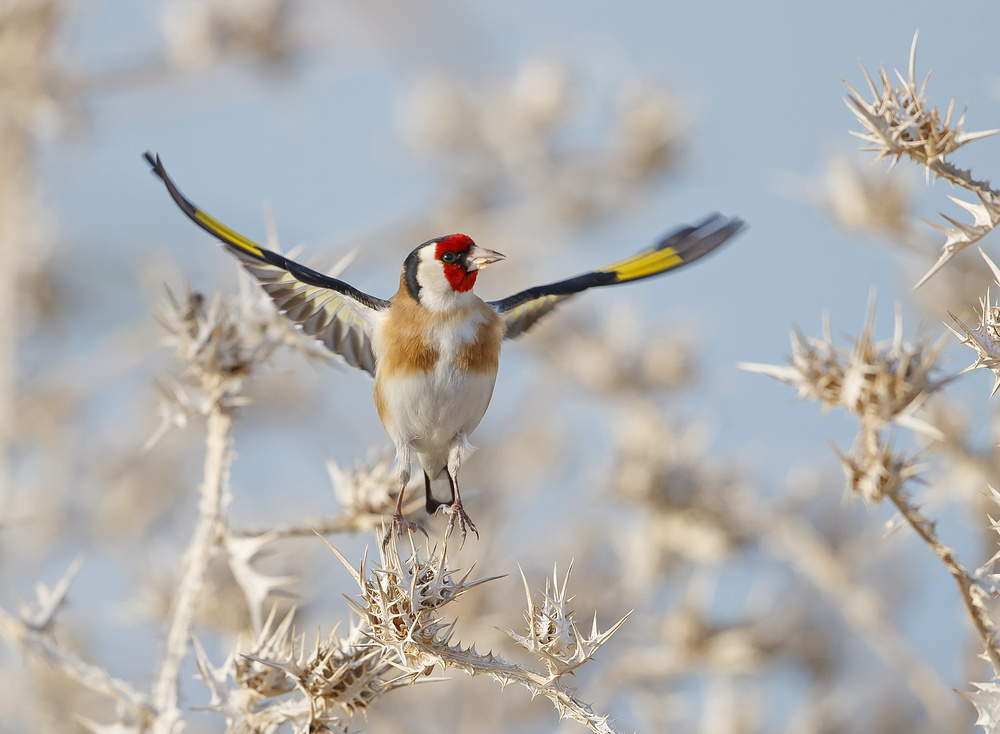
399	524
455	511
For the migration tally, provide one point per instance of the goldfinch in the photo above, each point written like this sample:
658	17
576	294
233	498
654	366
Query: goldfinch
434	347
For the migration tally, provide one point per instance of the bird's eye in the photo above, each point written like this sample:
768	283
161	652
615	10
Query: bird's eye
449	257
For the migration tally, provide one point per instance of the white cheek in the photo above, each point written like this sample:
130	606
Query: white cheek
433	286
436	292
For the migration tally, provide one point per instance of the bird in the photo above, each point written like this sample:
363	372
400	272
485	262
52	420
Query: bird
433	348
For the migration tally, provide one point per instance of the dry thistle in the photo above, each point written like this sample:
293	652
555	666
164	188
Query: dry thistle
617	353
257	586
283	680
874	470
365	488
401	599
880	382
199	35
552	633
883	383
899	122
986	696
218	344
860	199
986	700
217	350
32	629
400	609
984	339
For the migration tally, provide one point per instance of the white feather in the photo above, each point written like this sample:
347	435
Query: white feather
434	410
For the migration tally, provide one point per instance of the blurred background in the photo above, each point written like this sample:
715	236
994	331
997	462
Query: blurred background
621	433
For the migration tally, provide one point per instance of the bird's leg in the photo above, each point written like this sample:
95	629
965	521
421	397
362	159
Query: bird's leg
456	513
398	522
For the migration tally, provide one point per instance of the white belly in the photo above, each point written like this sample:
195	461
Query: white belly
430	412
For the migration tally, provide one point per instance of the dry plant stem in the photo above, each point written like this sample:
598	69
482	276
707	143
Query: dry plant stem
13	163
342	523
568	705
958	177
980	618
214	497
332	526
28	30
794	542
91	676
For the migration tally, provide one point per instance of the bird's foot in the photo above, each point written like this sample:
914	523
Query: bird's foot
399	524
457	515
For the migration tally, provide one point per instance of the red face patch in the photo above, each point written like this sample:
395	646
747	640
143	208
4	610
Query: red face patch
458	277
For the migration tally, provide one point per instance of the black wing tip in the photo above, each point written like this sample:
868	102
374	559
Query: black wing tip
160	172
710	226
155	164
694	241
729	224
717	226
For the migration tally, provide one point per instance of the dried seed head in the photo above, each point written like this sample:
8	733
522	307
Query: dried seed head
899	122
984	338
865	200
552	633
219	343
399	607
366	487
401	597
873	470
198	35
881	382
282	679
650	131
615	352
217	346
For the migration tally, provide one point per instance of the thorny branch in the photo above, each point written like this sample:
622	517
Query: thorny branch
972	595
399	605
820	371
214	497
899	122
33	631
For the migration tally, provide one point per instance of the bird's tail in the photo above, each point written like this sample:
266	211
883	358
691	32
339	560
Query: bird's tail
439	491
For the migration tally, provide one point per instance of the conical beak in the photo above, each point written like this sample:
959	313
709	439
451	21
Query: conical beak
479	257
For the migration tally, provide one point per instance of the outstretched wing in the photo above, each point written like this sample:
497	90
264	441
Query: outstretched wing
337	314
520	311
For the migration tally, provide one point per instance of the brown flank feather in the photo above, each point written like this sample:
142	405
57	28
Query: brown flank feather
380	406
404	336
483	354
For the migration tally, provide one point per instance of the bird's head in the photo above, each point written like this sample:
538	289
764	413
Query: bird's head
440	272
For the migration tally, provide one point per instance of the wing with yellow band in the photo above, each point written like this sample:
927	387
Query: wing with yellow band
337	314
520	311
